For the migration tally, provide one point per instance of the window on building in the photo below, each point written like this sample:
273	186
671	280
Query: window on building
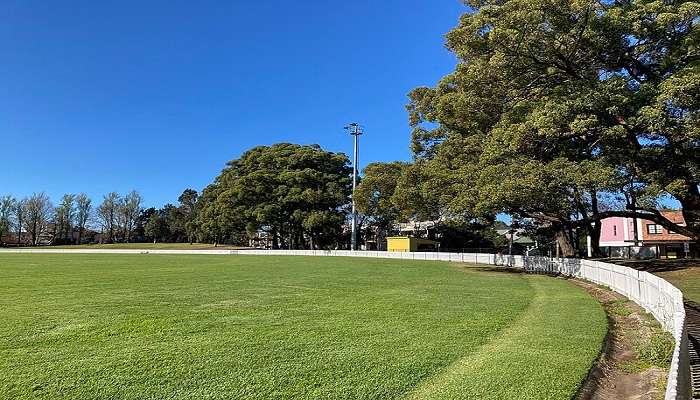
614	230
654	229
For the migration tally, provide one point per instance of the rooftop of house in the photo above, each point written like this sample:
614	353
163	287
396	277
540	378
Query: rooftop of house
675	216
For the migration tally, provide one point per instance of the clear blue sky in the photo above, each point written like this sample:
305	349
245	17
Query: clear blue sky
157	95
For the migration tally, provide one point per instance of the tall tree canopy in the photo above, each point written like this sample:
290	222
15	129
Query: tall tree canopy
293	193
557	105
175	224
374	194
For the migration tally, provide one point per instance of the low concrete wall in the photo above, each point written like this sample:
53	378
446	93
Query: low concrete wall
663	300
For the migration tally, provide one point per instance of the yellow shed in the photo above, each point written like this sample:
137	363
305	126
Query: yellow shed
405	244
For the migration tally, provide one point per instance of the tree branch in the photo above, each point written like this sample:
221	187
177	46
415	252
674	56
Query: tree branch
642	213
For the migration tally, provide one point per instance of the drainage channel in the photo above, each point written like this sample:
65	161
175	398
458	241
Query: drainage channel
692	314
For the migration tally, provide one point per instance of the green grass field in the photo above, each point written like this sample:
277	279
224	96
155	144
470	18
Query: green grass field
682	273
147	246
686	279
246	327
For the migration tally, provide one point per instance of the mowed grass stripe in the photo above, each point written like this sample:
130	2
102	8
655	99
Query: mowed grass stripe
219	327
545	354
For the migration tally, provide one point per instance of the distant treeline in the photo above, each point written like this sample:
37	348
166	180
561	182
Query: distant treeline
35	220
281	196
284	195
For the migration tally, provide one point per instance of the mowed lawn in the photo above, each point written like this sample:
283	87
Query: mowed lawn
249	327
682	273
145	246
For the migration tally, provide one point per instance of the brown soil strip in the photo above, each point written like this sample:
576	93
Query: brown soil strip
621	372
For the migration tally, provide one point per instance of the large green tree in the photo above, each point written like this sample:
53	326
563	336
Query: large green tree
292	193
374	196
188	209
556	106
173	224
156	227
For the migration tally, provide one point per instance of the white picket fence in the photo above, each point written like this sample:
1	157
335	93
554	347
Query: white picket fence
660	298
663	300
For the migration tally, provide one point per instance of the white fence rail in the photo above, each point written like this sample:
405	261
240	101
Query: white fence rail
657	296
661	299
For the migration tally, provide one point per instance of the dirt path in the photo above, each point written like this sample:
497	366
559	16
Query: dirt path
632	363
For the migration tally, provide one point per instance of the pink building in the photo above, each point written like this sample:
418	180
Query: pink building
629	237
617	232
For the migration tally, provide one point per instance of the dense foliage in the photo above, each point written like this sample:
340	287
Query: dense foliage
568	111
374	199
289	195
559	113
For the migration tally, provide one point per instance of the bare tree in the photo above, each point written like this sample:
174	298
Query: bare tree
63	218
83	209
107	213
7	206
39	210
129	210
20	213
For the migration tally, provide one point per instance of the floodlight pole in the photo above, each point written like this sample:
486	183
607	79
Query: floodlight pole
355	130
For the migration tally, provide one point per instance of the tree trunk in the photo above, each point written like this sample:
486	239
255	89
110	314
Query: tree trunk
34	235
562	239
572	235
594	232
275	241
691	211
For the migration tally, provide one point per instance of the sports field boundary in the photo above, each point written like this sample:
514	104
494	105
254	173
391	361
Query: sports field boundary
657	296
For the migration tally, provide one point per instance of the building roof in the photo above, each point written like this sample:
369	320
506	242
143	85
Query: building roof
415	225
675	216
420	240
526	240
518	235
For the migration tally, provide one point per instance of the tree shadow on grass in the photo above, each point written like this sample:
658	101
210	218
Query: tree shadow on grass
657	265
501	269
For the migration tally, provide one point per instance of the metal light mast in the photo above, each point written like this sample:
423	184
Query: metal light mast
355	130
